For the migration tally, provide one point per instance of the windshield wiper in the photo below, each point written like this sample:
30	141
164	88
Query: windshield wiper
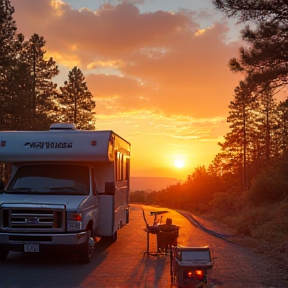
65	188
70	190
25	190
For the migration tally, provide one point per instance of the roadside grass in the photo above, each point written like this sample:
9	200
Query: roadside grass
268	222
263	227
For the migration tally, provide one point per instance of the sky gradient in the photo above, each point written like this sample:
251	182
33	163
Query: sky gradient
158	71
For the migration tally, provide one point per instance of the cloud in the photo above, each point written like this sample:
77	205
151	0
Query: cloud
133	61
108	32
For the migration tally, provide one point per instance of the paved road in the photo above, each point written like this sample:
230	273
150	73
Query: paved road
124	264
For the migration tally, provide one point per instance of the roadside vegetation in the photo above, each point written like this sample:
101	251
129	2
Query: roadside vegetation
258	214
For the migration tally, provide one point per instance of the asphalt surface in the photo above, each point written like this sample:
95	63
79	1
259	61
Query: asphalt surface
125	264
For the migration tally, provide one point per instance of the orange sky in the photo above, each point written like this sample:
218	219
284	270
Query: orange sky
159	74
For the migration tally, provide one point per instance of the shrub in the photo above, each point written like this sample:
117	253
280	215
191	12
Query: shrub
224	204
268	187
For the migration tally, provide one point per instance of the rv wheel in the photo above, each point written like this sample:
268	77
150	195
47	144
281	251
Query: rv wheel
3	253
86	253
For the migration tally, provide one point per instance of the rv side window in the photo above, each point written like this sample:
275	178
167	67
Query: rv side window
122	167
127	163
118	166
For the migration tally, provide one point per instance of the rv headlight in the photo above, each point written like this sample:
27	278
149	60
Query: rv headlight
74	221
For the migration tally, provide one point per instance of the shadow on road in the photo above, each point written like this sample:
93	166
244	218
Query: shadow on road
56	258
55	270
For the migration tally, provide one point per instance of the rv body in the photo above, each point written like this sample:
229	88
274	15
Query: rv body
65	188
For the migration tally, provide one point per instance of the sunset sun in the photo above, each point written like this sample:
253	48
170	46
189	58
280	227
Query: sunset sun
179	163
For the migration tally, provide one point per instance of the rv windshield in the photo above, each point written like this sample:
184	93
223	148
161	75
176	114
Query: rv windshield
60	179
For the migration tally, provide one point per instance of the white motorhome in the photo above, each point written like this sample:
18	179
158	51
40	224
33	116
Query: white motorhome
66	187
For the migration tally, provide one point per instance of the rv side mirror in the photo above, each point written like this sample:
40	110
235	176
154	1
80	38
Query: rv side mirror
2	185
110	188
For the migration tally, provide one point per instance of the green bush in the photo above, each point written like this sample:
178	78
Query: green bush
272	223
268	187
225	204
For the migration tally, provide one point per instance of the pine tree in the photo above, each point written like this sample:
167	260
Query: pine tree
76	101
265	59
7	57
282	125
267	125
18	109
265	62
237	144
216	167
43	94
7	33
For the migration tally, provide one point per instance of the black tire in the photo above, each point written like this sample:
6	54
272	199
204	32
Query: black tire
85	254
3	253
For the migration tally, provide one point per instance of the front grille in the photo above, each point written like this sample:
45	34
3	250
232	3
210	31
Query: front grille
33	218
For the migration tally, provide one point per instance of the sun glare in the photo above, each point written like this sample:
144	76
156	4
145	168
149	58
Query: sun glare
179	163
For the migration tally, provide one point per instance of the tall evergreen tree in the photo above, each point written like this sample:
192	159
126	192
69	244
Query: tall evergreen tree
265	61
19	110
216	167
282	125
76	101
238	141
266	58
267	125
7	56
7	33
43	94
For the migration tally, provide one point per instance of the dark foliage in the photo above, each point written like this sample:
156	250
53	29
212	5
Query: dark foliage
28	96
76	101
266	59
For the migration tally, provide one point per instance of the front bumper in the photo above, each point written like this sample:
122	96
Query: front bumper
47	242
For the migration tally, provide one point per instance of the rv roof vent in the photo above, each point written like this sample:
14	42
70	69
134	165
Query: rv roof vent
62	126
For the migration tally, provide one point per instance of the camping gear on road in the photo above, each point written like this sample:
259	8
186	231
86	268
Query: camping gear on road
166	234
189	266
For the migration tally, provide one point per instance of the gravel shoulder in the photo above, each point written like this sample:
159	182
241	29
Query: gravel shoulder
274	259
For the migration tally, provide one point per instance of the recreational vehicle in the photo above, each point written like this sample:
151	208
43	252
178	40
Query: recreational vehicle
66	187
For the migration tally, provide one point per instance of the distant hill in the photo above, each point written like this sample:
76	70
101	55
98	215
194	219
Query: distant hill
151	183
